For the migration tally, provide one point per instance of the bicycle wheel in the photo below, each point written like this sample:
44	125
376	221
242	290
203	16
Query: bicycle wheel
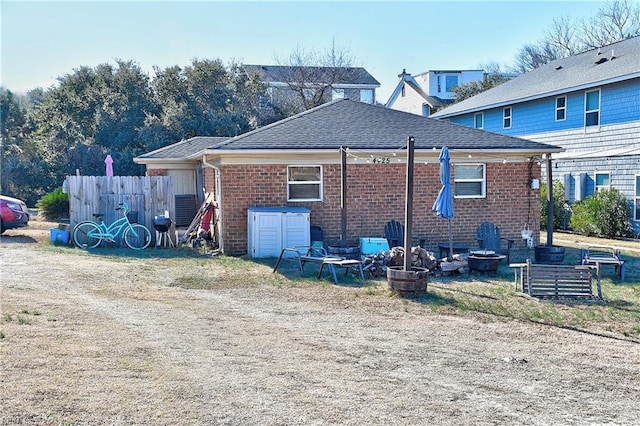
85	235
137	237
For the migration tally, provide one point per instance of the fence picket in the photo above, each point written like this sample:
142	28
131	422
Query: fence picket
150	196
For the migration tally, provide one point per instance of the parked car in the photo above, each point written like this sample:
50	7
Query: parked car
13	213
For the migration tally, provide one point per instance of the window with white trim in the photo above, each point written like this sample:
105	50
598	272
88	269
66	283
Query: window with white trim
636	202
592	108
337	94
469	180
602	181
366	96
561	108
478	120
304	183
506	118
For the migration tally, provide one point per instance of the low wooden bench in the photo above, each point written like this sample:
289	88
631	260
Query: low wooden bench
603	255
330	262
558	281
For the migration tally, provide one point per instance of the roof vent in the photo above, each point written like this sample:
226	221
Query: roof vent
599	51
601	61
613	56
559	67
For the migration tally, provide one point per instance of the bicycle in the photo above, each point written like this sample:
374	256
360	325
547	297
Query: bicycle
89	234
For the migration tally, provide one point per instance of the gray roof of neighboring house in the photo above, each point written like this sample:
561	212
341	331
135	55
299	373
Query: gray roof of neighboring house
322	75
615	62
364	126
185	148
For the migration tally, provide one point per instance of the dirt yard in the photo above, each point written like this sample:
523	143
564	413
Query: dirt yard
92	340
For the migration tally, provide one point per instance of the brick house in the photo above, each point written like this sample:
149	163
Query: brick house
297	162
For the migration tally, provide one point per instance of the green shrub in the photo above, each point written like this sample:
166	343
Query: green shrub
561	210
604	214
54	205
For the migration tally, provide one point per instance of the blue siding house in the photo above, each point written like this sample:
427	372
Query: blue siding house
588	103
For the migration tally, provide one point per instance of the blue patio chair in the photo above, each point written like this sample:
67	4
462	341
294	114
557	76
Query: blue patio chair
394	233
489	238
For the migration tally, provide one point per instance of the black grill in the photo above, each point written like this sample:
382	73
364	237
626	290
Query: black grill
162	224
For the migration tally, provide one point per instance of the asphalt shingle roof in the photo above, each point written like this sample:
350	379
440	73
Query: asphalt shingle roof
184	148
364	126
615	62
322	75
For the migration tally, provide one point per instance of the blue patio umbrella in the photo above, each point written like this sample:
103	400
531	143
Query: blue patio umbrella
443	205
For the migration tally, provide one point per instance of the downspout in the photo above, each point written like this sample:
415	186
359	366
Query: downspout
218	192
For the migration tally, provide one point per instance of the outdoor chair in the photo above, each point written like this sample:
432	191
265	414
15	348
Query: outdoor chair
394	233
489	238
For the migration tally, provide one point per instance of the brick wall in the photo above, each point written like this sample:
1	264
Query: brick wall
375	195
156	172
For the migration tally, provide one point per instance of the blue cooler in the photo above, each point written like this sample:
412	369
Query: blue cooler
60	235
370	246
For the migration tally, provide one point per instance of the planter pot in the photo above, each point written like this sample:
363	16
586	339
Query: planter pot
407	282
485	262
352	252
549	254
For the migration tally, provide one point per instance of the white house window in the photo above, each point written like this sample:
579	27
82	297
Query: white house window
478	120
561	108
637	199
506	118
469	180
304	183
592	108
451	81
603	181
337	94
366	96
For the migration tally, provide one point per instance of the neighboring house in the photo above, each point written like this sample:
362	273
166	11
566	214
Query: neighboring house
588	104
296	162
430	91
287	85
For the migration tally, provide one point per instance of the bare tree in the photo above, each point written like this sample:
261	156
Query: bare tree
311	76
615	21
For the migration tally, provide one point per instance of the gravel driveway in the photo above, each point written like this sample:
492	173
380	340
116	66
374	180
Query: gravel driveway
94	340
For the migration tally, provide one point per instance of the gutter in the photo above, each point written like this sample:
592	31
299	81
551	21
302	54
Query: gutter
218	199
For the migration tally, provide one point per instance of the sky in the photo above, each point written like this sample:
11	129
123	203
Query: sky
44	40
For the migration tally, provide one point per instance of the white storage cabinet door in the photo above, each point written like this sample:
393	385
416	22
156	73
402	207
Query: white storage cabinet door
296	231
267	234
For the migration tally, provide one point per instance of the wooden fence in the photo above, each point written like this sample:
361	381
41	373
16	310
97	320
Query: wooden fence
150	196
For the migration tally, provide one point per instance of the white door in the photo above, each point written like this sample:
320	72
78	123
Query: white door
267	234
296	230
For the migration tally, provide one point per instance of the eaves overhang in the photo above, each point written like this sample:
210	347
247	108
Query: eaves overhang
332	156
443	114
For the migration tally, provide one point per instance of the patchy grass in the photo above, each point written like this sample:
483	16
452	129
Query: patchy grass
494	298
484	297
